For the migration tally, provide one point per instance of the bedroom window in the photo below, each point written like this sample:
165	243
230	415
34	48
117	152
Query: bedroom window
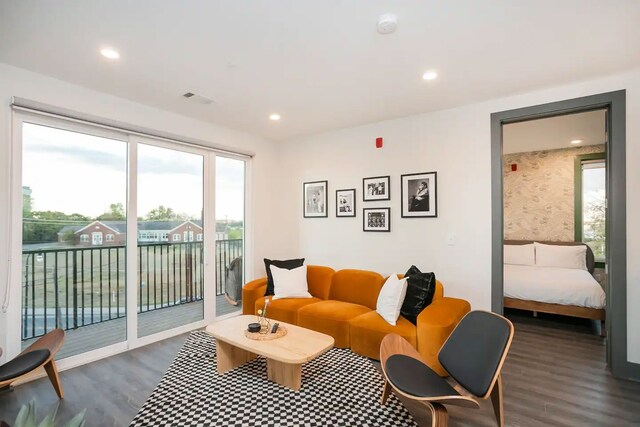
591	199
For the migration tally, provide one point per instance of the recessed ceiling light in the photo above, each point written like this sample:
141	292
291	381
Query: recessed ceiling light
576	141
109	53
275	117
430	75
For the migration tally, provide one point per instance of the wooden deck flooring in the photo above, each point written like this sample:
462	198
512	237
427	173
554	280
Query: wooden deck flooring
555	375
99	335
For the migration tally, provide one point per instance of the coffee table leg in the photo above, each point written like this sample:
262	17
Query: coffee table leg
230	357
288	375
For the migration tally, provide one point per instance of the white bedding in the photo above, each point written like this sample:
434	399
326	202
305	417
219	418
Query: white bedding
553	285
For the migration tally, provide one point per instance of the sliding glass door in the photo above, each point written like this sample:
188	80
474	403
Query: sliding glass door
117	238
73	272
171	239
230	234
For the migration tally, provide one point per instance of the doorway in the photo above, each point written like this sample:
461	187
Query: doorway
614	105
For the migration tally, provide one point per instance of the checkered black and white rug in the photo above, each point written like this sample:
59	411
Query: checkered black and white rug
339	388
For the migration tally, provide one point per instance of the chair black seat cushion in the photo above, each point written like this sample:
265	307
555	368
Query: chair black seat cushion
22	364
473	351
413	377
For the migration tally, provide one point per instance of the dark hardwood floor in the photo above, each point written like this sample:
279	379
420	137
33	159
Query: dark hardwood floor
555	376
112	389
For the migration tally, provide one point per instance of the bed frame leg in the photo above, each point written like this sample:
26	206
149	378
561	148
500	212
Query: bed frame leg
603	329
535	314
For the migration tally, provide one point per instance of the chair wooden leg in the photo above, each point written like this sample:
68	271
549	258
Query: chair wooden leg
386	389
496	400
52	373
439	414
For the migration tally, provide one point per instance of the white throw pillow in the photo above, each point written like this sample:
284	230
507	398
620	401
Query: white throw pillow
391	298
561	256
520	254
290	283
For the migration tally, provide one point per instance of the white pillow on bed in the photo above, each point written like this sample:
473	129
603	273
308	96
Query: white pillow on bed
520	254
561	256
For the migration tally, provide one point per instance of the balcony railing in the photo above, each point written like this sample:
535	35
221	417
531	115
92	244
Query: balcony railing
79	286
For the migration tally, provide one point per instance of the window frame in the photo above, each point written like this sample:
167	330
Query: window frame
12	336
577	193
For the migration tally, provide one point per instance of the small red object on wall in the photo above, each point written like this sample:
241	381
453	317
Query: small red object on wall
514	167
378	142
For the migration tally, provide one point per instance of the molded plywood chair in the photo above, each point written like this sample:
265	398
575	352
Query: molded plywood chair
473	356
40	353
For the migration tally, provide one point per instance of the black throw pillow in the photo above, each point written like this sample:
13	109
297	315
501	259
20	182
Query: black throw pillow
289	264
420	289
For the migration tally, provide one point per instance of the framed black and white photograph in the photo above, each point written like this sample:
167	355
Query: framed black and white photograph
419	195
376	188
315	199
376	219
346	203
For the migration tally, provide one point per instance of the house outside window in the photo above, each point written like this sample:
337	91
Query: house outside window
110	237
199	237
176	237
84	238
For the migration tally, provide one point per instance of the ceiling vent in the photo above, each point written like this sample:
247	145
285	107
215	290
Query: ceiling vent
198	98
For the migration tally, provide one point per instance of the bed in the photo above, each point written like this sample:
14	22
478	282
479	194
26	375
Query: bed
553	289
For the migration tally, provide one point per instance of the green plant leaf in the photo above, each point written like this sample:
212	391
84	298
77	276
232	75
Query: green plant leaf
78	420
27	415
49	420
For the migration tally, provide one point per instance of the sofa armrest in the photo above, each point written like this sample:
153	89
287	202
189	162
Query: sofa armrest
251	292
435	324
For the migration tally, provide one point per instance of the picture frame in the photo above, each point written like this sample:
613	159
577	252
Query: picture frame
376	219
376	188
314	199
419	195
346	203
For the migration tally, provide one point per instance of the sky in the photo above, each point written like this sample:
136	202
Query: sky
78	173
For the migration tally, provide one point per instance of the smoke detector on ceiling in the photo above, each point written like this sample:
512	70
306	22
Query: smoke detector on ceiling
387	23
198	98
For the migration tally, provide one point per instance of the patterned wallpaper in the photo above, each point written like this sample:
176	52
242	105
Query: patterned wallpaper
538	197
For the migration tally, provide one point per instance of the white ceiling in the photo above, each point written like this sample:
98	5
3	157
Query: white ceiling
554	132
319	63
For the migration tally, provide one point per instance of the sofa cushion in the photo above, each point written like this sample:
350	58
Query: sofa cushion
420	290
287	263
332	318
319	280
368	330
357	287
284	310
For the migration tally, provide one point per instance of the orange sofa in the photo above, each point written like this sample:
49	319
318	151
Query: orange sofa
344	306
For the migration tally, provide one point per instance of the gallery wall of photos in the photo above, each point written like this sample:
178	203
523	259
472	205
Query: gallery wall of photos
418	199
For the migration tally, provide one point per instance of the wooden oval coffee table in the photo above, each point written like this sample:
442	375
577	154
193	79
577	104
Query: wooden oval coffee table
285	355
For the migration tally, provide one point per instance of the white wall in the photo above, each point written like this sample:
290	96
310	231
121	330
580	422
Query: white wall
457	144
18	82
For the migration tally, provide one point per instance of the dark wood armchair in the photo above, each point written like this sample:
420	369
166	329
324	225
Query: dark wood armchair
40	353
473	356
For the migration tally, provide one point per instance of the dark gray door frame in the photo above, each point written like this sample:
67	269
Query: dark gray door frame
615	104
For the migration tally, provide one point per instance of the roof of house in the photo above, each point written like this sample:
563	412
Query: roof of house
68	228
121	226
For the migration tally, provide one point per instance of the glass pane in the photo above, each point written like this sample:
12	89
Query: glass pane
230	178
73	233
170	239
593	207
